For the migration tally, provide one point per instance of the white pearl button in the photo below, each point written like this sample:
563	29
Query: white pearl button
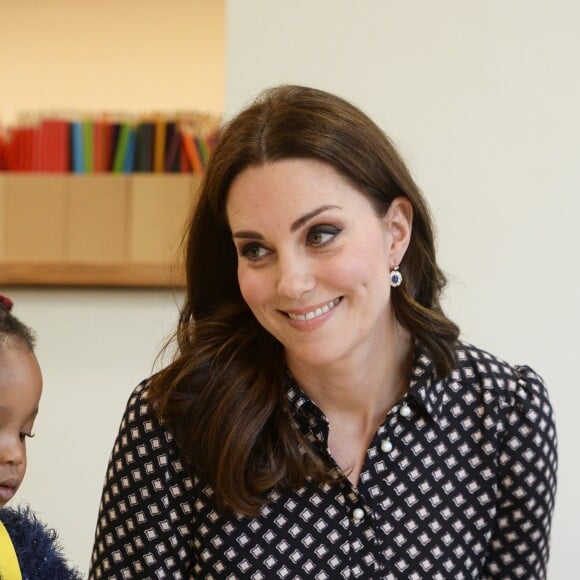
386	445
405	411
358	514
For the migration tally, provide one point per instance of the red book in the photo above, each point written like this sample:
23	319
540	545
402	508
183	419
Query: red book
53	144
184	165
2	152
100	156
28	149
12	149
16	149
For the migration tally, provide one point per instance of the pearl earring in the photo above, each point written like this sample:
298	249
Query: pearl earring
396	277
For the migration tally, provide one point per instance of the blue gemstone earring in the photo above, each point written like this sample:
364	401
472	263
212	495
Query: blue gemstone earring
396	277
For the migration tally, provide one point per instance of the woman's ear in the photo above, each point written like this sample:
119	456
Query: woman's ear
399	223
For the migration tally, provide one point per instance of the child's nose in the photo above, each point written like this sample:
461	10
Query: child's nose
12	451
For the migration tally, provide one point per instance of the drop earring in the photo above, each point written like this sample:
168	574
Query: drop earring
396	277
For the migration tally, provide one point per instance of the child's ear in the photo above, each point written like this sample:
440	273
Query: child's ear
399	223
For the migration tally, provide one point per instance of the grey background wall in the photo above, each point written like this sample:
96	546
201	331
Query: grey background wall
482	100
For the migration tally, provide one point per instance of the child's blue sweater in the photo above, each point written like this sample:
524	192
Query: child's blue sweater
39	554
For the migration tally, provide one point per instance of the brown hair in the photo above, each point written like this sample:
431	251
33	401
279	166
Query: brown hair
223	396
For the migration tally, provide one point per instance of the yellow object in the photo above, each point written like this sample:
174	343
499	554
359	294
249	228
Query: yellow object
9	567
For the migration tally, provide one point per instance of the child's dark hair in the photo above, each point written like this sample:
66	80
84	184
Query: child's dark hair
11	329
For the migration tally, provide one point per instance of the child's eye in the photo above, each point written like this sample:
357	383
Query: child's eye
24	436
253	251
320	235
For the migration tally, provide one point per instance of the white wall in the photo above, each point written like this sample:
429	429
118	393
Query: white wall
482	99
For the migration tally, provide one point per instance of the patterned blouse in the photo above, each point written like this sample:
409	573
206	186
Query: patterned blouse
458	482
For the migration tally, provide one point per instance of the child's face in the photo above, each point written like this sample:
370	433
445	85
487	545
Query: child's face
20	390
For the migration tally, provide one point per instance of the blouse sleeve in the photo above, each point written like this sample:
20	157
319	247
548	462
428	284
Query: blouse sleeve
519	546
143	526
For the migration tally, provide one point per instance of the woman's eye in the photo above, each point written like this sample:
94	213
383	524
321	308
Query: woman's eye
320	235
253	251
24	436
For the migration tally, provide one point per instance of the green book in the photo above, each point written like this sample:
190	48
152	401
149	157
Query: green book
88	145
123	139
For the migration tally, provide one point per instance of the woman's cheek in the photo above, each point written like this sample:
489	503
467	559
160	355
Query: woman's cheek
252	287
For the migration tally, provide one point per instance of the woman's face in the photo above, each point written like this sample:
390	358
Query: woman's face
313	260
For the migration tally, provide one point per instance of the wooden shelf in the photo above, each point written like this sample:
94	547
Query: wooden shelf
136	275
94	230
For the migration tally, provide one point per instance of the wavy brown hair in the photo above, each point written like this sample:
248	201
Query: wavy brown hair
223	395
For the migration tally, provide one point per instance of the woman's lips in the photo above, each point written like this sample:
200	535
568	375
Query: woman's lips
315	313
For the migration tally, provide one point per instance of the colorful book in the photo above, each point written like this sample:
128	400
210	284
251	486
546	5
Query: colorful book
203	150
172	149
159	145
191	151
88	144
144	137
2	151
123	145
15	150
114	133
129	160
54	145
101	145
184	164
77	147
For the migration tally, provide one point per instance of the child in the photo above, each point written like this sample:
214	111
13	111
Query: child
28	550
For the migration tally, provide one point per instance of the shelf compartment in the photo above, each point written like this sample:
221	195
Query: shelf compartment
94	230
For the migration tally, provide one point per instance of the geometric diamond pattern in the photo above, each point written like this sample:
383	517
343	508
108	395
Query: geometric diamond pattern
459	482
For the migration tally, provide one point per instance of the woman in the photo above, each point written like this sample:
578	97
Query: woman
321	418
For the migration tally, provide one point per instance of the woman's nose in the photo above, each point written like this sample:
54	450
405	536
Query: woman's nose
295	278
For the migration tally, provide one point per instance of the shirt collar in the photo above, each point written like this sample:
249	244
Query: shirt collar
425	391
305	412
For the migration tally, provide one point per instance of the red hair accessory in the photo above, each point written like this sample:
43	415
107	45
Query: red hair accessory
6	302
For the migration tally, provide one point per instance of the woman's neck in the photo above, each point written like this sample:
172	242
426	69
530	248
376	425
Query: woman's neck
363	385
356	394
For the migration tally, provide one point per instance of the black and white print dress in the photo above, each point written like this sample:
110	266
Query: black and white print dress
458	482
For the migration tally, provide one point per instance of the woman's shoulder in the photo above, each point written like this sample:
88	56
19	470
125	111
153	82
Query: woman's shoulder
139	405
142	428
39	552
511	383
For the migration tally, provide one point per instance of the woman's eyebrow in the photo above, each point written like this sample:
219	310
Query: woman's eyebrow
302	220
249	235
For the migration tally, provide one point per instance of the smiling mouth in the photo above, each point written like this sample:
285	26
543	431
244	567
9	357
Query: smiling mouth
315	313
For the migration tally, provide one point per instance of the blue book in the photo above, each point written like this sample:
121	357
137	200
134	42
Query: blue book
77	147
129	160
